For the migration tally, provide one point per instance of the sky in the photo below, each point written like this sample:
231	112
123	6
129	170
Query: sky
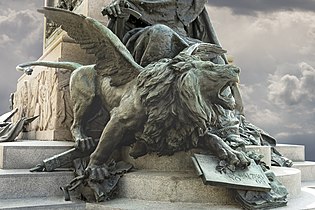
273	41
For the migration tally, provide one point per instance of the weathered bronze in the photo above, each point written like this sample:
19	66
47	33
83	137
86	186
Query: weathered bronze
219	173
163	78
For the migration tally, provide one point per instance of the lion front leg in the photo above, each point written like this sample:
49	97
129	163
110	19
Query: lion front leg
128	117
224	152
82	93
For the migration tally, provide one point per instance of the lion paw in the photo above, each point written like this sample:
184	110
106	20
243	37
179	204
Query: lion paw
97	172
225	152
85	144
237	158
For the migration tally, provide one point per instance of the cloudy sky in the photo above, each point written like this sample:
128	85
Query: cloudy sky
272	41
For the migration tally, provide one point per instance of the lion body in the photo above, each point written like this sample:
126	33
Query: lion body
167	103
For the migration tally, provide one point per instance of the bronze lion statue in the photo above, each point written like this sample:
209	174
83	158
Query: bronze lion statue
165	107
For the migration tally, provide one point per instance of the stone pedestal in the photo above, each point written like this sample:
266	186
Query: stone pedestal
46	92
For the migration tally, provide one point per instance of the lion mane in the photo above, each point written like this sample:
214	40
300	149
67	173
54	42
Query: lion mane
176	112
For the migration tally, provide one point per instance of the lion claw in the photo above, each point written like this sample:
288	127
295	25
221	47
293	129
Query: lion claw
85	144
97	173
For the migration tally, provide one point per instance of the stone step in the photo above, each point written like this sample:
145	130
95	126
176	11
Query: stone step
307	169
40	203
27	154
293	152
290	178
185	186
20	183
172	187
134	204
304	201
181	187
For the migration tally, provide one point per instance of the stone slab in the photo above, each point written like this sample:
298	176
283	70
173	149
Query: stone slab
251	178
293	152
27	154
290	178
304	201
307	169
133	204
172	187
20	183
42	203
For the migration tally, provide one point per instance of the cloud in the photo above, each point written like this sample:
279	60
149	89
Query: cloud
289	90
21	32
4	39
250	7
268	46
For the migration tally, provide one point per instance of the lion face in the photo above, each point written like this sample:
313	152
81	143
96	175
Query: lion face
215	82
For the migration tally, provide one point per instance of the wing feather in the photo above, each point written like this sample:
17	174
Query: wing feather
112	58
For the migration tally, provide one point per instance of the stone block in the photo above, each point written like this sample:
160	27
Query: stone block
172	187
27	154
20	183
40	203
133	204
186	186
307	169
290	178
293	152
305	201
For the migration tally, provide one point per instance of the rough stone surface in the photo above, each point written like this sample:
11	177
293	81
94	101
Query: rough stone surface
172	187
307	169
133	204
293	152
290	178
27	154
304	201
42	203
20	183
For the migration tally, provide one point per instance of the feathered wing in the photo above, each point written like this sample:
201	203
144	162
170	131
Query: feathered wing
112	57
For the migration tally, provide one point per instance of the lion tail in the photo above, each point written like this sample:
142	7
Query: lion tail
27	67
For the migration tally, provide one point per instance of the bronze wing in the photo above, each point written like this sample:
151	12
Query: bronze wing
112	58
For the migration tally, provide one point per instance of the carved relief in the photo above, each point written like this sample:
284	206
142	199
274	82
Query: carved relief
46	95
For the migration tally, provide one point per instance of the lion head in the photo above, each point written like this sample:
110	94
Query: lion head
177	95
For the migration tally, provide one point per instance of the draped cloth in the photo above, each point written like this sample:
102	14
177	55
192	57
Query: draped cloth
165	28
